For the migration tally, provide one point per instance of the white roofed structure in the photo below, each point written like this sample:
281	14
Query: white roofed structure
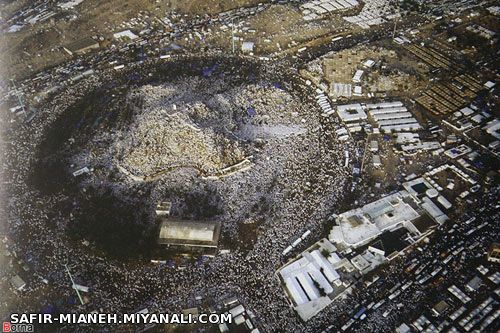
384	105
392	116
189	233
396	115
394	109
247	47
399	121
351	112
127	34
359	226
401	127
311	280
357	76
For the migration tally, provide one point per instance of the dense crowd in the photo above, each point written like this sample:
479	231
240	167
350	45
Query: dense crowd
296	182
300	177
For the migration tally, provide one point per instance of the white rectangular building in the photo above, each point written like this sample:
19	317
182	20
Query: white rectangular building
357	76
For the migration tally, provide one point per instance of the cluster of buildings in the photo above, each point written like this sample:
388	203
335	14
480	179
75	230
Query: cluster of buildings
453	175
386	117
463	154
363	238
338	90
410	144
37	12
446	97
392	117
366	237
243	319
324	103
317	8
347	90
482	31
374	12
15	274
460	308
478	125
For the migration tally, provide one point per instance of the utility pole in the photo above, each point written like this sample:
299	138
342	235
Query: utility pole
73	284
232	33
396	19
18	95
364	153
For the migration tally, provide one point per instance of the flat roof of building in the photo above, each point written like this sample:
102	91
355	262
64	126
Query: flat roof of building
311	281
82	44
189	233
440	307
360	225
351	112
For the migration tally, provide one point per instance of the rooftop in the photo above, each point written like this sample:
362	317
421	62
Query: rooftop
372	219
189	233
81	45
312	281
